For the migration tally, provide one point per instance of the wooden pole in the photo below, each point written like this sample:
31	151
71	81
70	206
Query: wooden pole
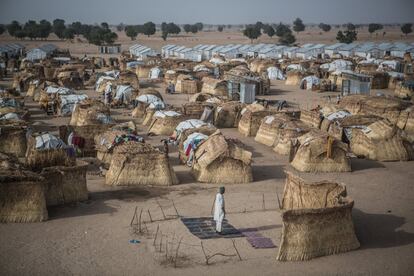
176	211
162	211
235	248
139	222
149	214
204	252
176	252
133	217
263	202
156	234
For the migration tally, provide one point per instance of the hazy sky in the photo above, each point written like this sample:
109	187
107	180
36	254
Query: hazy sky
209	11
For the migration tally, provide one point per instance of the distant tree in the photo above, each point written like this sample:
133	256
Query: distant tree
20	34
194	29
259	25
282	29
200	26
131	32
220	28
298	25
2	29
407	28
173	28
31	29
120	27
44	28
164	35
187	28
252	32
164	27
59	27
325	27
104	25
76	27
267	29
347	36
99	36
350	26
149	29
69	33
109	37
373	27
85	29
383	34
287	38
13	27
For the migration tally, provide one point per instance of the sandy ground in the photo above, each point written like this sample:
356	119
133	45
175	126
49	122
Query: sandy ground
79	46
92	238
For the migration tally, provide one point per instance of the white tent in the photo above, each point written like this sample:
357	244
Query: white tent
153	101
310	82
67	103
338	64
124	93
275	73
155	73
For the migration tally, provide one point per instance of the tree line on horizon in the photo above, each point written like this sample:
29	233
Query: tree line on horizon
102	34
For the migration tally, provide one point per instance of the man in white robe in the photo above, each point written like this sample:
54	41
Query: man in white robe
219	210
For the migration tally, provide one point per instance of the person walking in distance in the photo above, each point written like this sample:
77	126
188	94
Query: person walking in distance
219	210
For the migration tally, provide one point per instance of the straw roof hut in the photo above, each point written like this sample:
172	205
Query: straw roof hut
187	84
194	110
341	128
316	151
381	141
288	131
406	123
70	79
135	163
89	112
269	128
22	193
164	122
130	78
312	118
221	160
251	118
294	77
317	220
227	115
404	90
143	71
215	87
206	130
13	137
202	97
45	150
65	184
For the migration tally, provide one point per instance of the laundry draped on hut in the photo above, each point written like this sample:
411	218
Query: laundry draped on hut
119	139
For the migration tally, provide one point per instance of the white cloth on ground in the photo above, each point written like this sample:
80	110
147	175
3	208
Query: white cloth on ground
218	211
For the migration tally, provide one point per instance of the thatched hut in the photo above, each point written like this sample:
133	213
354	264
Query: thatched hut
221	160
294	77
406	123
215	87
129	78
316	151
90	112
135	163
187	84
228	114
22	193
65	184
404	90
13	137
45	150
182	151
317	220
143	71
251	118
164	122
70	79
269	128
194	110
288	131
381	141
312	118
341	128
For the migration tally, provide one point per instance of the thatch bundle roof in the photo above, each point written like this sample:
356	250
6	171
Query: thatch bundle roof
22	193
87	112
406	123
220	160
317	220
194	110
294	77
337	128
260	65
135	163
251	118
381	141
269	128
206	130
316	151
214	87
13	137
164	122
404	90
130	78
228	114
290	130
312	118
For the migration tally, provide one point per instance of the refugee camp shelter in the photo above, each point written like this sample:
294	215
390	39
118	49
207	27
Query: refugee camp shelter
354	83
333	49
368	49
110	49
41	52
309	52
272	52
11	50
399	49
141	52
232	52
165	50
347	50
290	52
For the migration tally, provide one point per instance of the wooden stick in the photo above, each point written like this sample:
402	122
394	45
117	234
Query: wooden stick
139	222
160	242
176	252
263	202
162	211
149	214
204	252
278	200
166	249
133	217
156	234
178	215
235	248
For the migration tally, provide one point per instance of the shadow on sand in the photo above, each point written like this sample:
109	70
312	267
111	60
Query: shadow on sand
380	230
266	172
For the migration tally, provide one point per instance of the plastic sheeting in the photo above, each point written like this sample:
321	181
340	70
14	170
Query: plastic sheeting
124	93
153	101
68	102
102	79
10	116
338	64
48	141
275	73
297	67
188	124
388	64
59	90
155	73
310	82
163	114
338	115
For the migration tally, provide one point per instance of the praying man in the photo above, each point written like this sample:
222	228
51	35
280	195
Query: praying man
219	210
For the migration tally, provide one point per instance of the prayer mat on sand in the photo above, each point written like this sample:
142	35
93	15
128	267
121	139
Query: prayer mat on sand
256	239
205	228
